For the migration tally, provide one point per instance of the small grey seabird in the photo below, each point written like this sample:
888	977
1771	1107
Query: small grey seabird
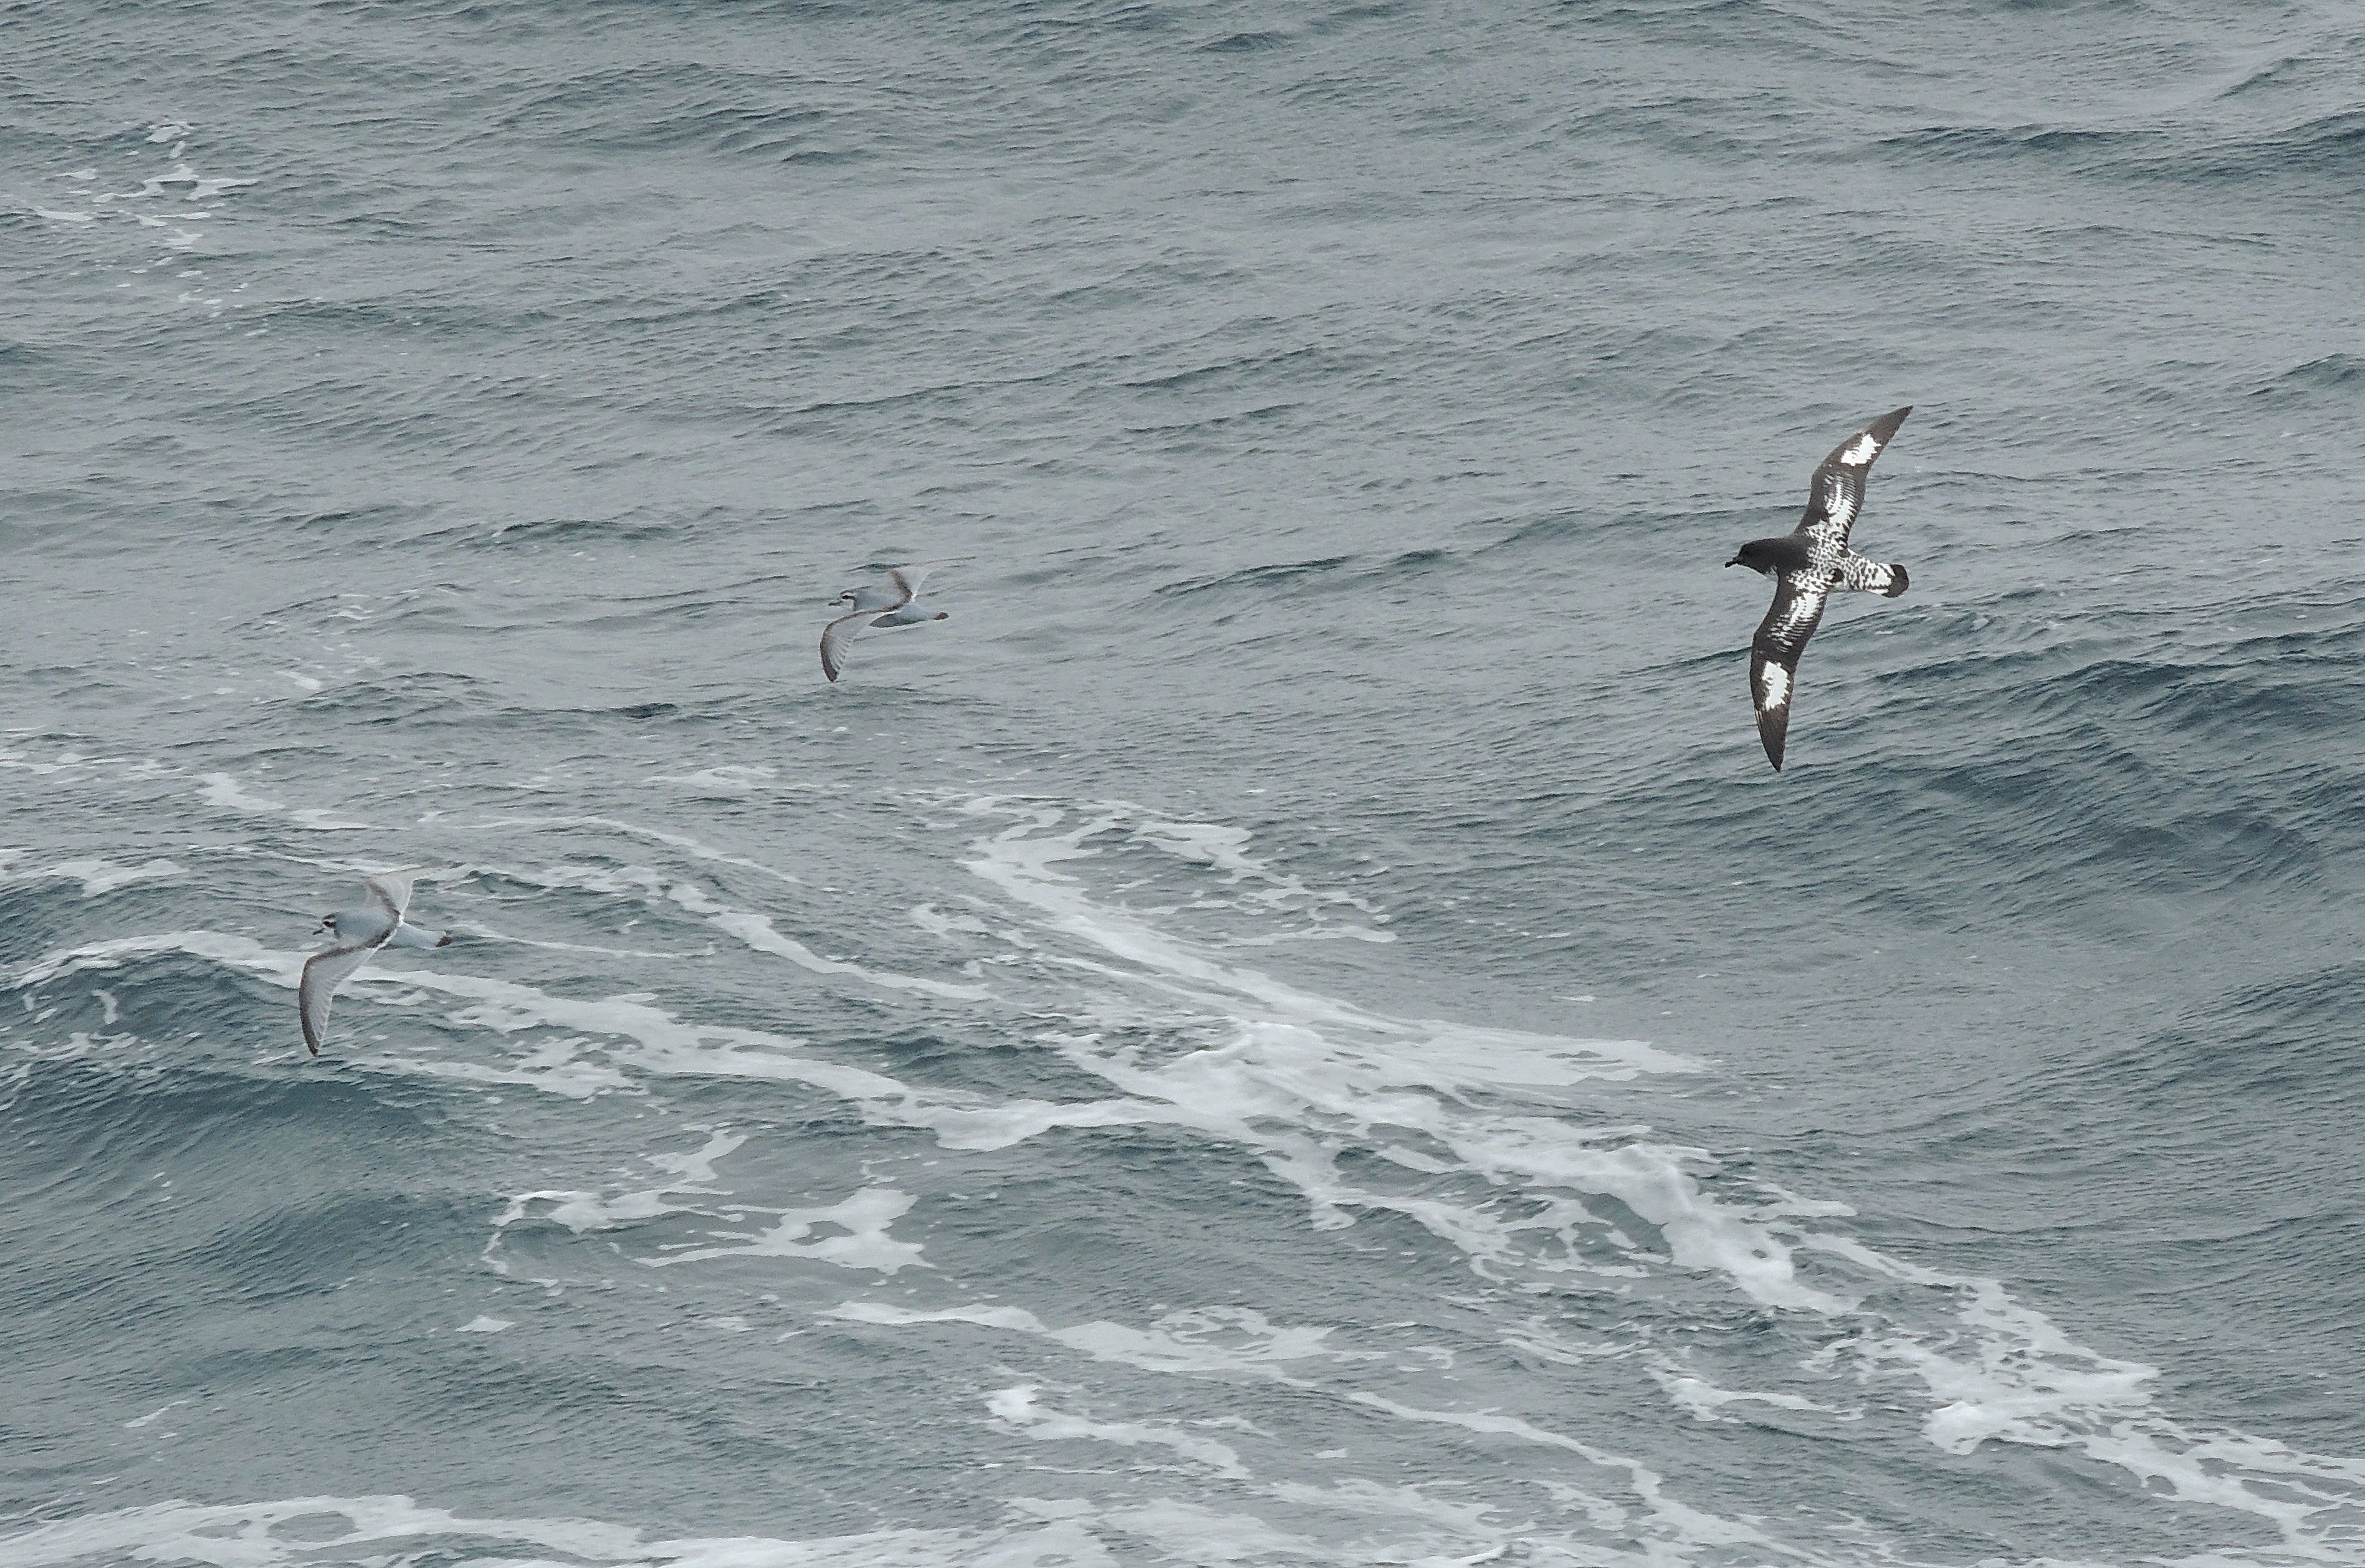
358	934
1808	565
891	603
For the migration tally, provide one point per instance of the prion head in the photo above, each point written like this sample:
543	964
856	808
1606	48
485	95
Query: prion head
1772	557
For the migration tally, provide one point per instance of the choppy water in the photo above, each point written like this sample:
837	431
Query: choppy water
1297	1028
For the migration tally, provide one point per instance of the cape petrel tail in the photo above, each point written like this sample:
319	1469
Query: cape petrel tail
1860	574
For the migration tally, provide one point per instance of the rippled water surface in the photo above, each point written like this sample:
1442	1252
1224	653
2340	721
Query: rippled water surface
1296	1027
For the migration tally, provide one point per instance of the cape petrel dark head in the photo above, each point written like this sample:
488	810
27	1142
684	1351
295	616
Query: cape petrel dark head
1771	557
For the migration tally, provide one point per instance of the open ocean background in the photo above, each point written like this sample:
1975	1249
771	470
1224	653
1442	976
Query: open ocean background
1297	1026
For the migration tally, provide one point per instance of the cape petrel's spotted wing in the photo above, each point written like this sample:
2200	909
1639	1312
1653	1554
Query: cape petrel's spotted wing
1836	492
1774	652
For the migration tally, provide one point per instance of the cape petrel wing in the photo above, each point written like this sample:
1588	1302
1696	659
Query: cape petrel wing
1836	492
1774	652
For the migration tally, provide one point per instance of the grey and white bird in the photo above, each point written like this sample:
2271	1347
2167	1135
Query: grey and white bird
358	932
892	603
1808	565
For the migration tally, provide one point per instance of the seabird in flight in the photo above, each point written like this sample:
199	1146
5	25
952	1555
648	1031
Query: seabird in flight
891	603
1808	565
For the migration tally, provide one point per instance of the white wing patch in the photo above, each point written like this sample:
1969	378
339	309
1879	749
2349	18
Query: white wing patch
1839	501
1778	685
1863	449
1802	608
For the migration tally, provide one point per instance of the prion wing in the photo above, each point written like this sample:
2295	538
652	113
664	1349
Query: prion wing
390	890
909	578
1836	492
1774	652
837	640
323	973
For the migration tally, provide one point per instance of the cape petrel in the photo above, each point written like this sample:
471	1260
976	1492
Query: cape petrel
1808	565
891	603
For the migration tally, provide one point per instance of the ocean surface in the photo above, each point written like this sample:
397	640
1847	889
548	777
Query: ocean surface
1296	1027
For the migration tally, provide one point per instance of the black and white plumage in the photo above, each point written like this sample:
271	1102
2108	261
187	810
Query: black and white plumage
1808	565
891	603
359	933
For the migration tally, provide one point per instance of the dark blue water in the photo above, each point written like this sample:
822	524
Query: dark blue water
1297	1025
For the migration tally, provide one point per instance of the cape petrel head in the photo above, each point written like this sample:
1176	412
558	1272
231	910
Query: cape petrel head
1771	557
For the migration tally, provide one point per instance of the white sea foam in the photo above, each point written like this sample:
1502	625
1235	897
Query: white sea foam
1706	1402
749	927
681	841
395	1529
1298	1078
1296	1061
862	1240
2008	1373
1036	1532
153	1417
693	1178
1201	1339
72	764
1020	1409
1302	1074
1662	1517
757	931
693	1174
1627	1499
726	782
1178	1531
227	792
1225	849
1019	861
98	876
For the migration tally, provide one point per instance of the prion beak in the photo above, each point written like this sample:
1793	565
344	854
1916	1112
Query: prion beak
1735	562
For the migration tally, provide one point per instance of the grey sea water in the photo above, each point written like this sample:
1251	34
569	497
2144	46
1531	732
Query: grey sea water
1296	1027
